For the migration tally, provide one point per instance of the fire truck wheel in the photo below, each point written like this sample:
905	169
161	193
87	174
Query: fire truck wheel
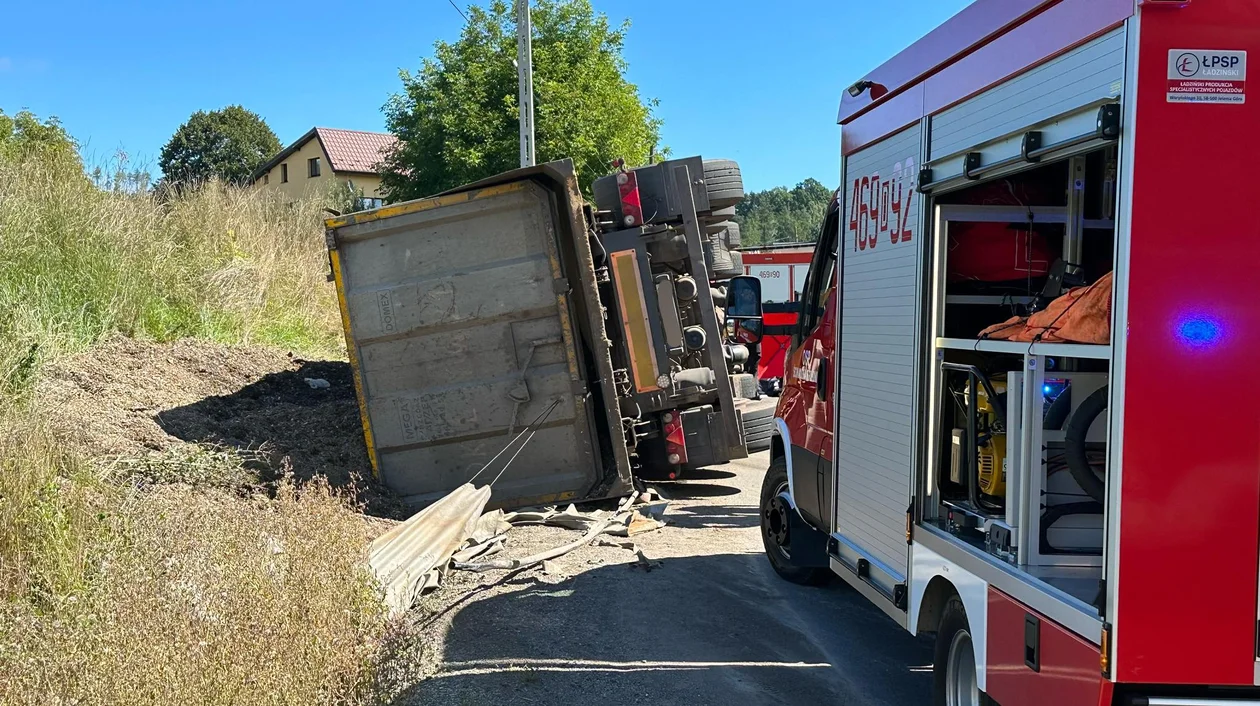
954	664
724	183
775	524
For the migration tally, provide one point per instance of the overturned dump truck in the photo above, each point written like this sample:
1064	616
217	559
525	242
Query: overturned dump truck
509	332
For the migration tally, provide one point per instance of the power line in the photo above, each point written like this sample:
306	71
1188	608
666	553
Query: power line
461	12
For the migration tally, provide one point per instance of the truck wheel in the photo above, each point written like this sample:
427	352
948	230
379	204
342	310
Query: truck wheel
758	418
727	232
715	221
954	664
718	259
775	524
723	182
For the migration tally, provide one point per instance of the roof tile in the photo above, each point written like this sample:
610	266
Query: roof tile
354	150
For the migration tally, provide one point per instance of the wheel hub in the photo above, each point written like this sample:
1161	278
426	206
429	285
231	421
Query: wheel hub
961	686
776	520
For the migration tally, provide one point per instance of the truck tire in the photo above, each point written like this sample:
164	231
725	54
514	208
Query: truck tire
954	662
730	235
715	221
775	523
718	259
723	182
758	417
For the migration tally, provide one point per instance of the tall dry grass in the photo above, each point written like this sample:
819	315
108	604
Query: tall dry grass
114	593
78	262
141	582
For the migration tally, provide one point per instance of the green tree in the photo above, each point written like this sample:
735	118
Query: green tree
457	119
782	215
25	134
226	144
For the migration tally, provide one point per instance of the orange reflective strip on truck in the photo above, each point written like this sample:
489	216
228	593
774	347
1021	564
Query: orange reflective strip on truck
634	317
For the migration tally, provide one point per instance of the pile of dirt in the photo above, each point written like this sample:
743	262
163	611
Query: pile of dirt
129	398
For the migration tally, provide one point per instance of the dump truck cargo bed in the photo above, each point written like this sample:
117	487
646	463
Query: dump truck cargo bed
465	323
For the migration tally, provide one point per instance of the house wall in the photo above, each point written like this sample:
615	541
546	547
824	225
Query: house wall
301	186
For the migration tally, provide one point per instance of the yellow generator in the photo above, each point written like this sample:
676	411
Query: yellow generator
989	443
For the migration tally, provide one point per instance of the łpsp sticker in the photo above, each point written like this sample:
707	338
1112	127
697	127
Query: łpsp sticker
1207	76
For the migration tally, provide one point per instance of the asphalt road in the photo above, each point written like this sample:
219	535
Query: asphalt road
706	621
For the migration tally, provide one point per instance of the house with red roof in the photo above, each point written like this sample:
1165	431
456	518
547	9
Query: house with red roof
324	157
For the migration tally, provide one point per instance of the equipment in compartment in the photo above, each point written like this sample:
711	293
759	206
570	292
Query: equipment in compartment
978	454
989	440
986	481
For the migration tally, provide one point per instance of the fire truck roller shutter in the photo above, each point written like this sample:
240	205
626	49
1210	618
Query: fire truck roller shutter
1059	99
880	288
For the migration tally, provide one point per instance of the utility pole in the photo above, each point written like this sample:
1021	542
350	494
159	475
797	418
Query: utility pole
525	77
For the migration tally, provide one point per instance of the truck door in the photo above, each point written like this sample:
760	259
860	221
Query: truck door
806	407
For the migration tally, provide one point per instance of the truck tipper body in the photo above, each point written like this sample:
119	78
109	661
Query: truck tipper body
1019	411
508	331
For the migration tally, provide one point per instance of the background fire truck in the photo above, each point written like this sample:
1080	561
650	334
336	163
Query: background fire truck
781	269
1020	408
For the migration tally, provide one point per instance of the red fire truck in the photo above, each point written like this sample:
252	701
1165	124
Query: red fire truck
1020	405
781	269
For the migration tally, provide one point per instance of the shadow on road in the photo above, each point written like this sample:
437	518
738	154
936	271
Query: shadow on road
713	517
715	629
684	491
708	474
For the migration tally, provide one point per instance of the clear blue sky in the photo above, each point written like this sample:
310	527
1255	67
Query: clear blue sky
124	74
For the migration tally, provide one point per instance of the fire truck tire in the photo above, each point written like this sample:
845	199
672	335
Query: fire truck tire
774	530
1075	448
954	661
724	183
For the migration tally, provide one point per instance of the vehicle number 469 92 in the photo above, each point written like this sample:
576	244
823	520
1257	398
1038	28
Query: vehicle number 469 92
880	208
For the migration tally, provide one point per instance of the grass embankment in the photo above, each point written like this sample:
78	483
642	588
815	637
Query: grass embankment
78	263
115	588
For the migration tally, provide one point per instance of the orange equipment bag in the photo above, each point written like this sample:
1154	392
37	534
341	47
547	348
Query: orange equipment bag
1082	315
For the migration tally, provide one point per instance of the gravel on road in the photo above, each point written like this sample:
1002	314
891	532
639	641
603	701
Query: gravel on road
693	615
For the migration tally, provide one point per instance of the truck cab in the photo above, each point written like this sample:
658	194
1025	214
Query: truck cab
804	413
